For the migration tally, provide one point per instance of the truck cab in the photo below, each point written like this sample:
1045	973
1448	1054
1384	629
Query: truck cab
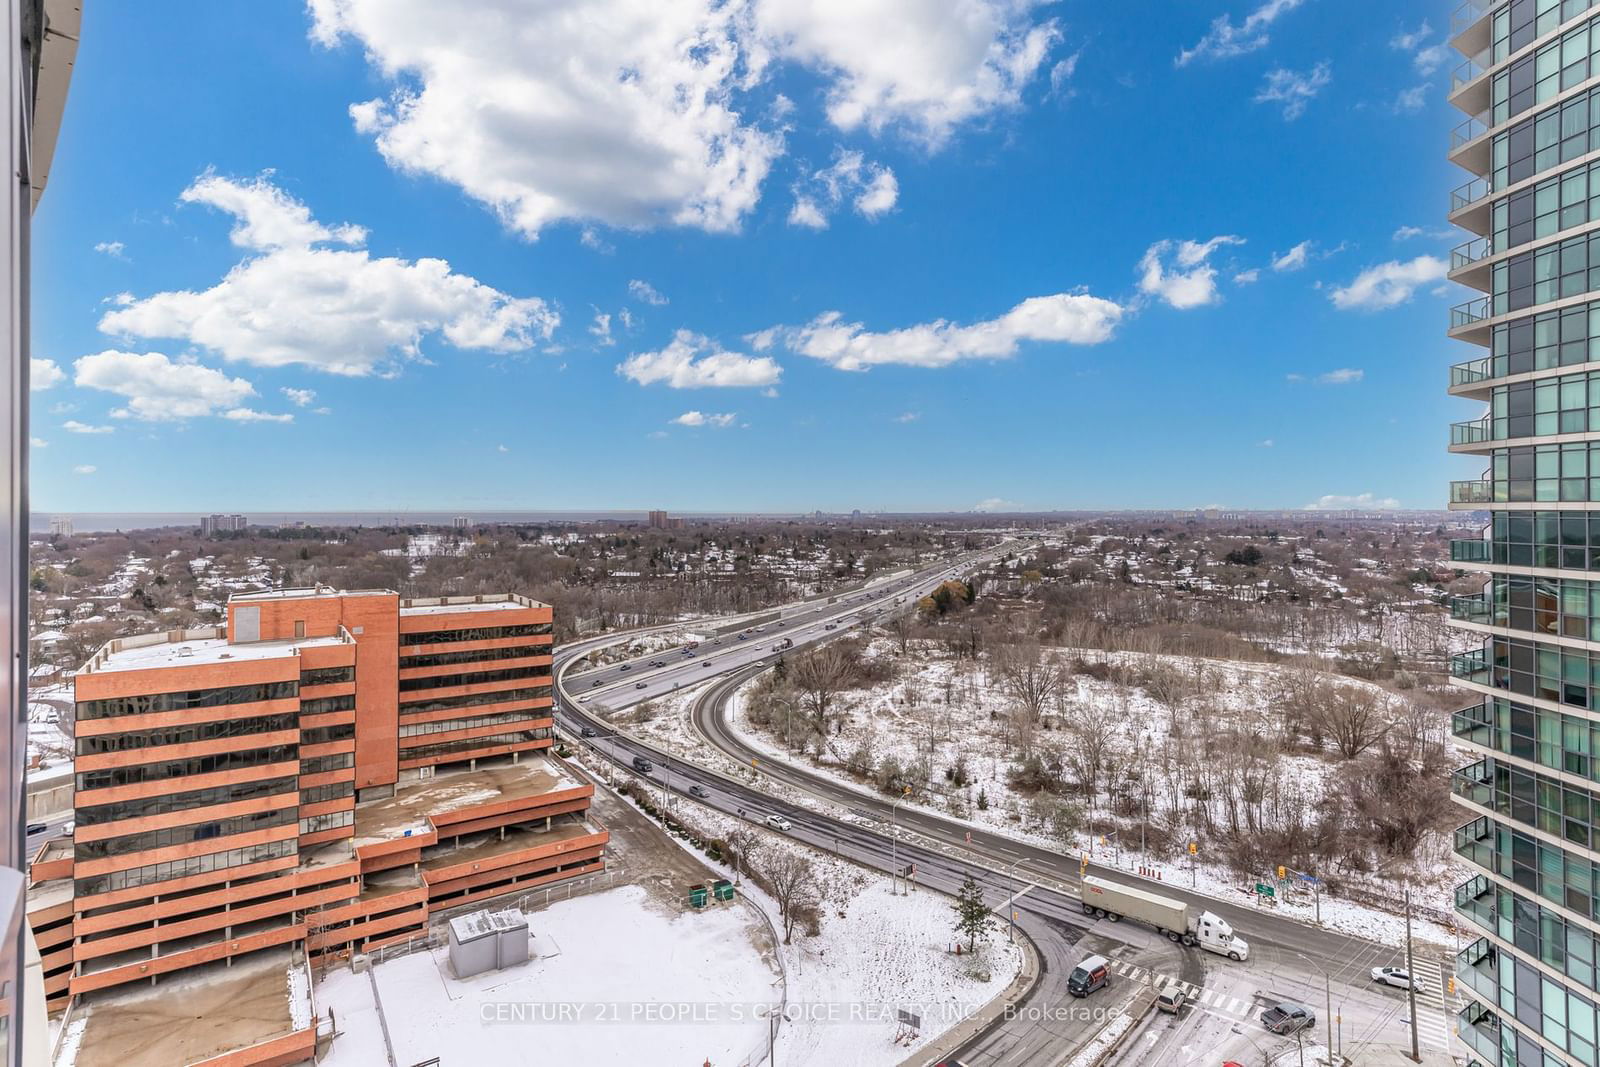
1215	935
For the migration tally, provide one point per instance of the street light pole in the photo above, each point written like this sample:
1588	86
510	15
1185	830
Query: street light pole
1011	905
1411	983
894	840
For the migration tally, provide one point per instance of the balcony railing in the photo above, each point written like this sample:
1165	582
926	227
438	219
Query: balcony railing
1474	491
1472	371
1469	12
1475	899
1470	550
1478	966
1470	312
1480	1029
1470	130
1474	842
1471	666
1474	783
1470	193
1473	69
1465	255
1472	431
1474	725
1473	608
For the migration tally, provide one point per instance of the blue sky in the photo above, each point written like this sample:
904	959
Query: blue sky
757	255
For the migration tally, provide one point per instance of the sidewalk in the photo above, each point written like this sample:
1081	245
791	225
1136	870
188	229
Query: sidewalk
936	1052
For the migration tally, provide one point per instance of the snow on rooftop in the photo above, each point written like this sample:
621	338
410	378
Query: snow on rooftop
483	923
456	605
120	656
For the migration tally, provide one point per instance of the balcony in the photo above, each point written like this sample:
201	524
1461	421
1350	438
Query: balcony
1469	205
1474	783
1471	70
1480	1030
1473	608
1478	966
1471	666
1470	252
1474	843
1475	310
1474	725
1471	432
1469	550
1467	13
1475	899
1471	372
1469	26
1472	492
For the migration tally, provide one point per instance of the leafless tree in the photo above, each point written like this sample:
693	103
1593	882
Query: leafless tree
1028	676
792	880
819	675
1091	738
1354	719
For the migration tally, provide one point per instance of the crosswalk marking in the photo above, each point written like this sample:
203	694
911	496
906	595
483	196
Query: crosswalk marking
1205	997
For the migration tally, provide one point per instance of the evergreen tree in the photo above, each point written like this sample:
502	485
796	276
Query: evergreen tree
973	917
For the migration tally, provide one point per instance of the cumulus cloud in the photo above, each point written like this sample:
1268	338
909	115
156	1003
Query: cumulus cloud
600	330
993	503
871	189
908	416
1294	89
43	374
1247	277
1388	284
1425	57
662	113
1359	502
38	442
1071	318
300	398
1410	100
86	468
1294	259
1180	272
337	310
74	426
158	389
698	418
692	361
1226	39
1342	376
646	293
250	415
110	248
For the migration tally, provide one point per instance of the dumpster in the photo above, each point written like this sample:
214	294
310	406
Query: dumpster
697	896
722	889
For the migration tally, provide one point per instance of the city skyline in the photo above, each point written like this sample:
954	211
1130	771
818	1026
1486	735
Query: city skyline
842	277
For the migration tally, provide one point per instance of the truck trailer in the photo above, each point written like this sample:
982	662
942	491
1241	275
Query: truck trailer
1178	921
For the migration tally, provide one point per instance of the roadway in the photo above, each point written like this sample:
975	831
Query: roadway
1284	953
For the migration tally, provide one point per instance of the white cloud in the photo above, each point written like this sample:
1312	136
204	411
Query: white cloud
38	442
1061	73
652	114
908	416
1388	284
300	398
692	361
870	187
625	317
250	415
646	293
86	468
1407	41
1247	277
1180	272
1072	318
697	418
1360	502
993	503
110	248
74	426
590	238
1293	89
1411	100
43	374
265	217
1226	40
501	448
1294	259
1268	443
340	311
158	389
1406	233
1427	60
1342	376
601	329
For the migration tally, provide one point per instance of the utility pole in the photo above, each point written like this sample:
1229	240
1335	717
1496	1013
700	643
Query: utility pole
1411	984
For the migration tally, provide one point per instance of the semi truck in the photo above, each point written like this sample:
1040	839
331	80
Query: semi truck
1175	919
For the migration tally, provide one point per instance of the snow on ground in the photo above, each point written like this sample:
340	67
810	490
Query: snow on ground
876	952
614	979
1090	1054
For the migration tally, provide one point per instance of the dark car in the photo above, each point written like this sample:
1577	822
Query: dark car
642	765
640	685
595	684
698	791
1092	974
590	731
1287	1018
36	828
626	667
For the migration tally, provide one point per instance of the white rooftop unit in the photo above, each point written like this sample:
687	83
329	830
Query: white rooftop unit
488	941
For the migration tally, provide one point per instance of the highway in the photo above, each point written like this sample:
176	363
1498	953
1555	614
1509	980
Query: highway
1290	960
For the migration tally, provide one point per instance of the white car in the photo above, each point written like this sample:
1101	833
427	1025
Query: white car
778	822
1393	976
583	700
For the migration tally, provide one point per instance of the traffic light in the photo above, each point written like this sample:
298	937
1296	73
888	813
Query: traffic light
1450	985
1280	872
1194	848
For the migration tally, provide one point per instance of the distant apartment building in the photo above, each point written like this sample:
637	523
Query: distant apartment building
460	522
318	776
1530	968
211	525
660	520
60	526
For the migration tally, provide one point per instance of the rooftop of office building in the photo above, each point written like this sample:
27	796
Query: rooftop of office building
454	788
182	648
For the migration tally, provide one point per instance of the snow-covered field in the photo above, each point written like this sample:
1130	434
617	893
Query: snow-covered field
614	979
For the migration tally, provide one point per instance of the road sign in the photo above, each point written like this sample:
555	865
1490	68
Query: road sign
1265	890
908	1018
1194	847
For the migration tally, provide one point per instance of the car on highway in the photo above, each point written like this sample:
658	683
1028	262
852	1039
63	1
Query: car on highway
595	684
1286	1018
1393	976
642	765
1093	973
641	685
778	822
36	828
698	791
583	700
589	731
830	626
626	667
706	663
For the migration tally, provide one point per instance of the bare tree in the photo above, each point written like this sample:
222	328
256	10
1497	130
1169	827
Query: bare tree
792	880
1353	719
1028	677
819	675
1091	738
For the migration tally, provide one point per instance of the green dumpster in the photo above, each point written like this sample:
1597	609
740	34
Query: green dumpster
722	889
697	896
